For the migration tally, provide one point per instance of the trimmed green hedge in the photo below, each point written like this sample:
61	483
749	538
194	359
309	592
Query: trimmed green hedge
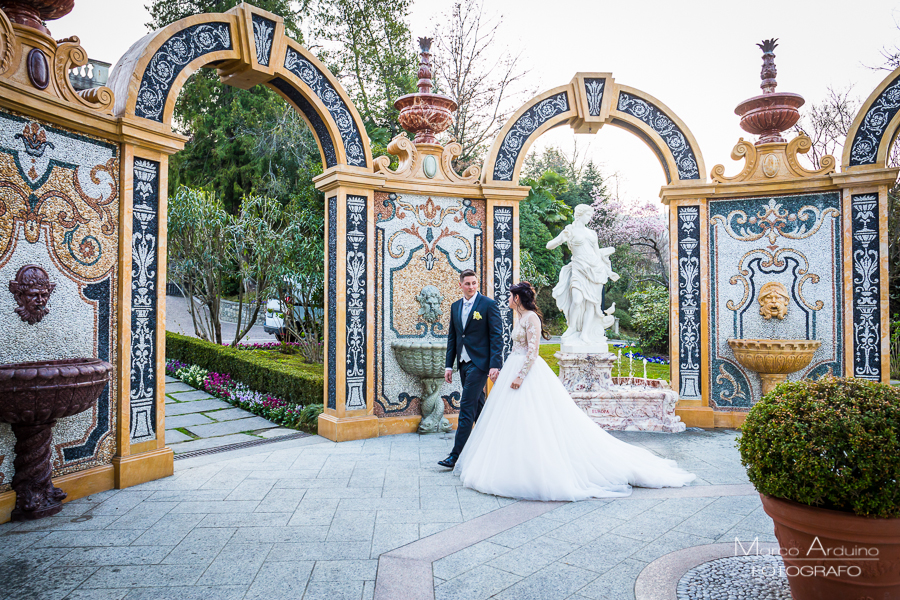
301	384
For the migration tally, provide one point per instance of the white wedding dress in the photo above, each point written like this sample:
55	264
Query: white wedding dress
535	443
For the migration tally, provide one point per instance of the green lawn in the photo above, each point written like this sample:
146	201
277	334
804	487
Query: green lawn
654	371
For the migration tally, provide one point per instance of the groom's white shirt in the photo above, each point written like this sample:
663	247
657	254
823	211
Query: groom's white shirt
465	312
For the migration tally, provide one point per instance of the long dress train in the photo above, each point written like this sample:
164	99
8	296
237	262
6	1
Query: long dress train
535	443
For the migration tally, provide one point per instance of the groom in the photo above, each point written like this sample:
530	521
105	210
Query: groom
475	342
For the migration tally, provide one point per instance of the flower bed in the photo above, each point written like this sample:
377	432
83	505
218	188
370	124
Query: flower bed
239	394
284	376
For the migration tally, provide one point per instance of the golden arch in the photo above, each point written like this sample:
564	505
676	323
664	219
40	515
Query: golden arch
875	126
247	46
588	102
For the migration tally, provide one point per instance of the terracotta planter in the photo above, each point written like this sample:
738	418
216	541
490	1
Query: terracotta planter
863	554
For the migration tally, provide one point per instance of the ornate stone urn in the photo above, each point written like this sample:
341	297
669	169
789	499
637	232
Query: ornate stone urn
425	360
425	114
774	360
33	13
769	114
33	396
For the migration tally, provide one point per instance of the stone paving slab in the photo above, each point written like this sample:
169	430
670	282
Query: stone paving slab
309	518
188	395
175	437
230	427
186	420
230	414
184	408
206	443
178	386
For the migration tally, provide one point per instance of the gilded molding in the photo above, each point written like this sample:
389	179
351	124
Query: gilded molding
9	44
70	54
772	161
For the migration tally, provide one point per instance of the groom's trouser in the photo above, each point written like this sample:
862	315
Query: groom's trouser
470	405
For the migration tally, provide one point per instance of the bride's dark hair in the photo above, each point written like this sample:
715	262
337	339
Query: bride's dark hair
524	293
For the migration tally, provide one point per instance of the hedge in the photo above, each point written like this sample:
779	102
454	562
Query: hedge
298	384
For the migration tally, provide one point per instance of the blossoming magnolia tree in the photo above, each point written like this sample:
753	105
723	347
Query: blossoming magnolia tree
642	228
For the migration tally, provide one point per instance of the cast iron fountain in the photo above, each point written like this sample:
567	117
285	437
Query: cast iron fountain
33	395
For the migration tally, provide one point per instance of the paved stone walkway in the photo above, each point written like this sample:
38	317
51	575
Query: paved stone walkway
308	518
197	421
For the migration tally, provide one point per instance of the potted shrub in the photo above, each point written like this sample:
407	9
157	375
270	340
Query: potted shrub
825	457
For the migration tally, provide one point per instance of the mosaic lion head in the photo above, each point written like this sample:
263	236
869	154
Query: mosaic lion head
31	289
773	301
429	300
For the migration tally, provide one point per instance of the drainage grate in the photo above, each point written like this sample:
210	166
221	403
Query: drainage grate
240	445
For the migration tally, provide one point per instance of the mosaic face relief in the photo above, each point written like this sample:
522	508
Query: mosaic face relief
422	243
59	211
775	266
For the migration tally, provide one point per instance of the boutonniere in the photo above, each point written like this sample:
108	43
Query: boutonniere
476	315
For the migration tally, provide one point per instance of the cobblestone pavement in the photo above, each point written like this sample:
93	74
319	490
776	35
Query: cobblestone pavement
309	518
197	421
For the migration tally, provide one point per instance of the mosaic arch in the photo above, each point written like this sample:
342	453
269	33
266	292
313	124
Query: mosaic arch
875	126
588	102
247	46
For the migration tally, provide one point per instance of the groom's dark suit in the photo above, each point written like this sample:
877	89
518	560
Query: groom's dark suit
483	340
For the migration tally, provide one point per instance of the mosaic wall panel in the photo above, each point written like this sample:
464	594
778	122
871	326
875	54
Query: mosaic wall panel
503	270
794	241
144	287
866	280
332	301
420	242
689	302
59	209
357	293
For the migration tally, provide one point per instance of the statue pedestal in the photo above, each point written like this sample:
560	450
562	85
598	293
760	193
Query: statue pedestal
588	379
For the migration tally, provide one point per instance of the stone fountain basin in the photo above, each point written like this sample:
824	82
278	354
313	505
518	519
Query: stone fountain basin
40	392
422	359
774	356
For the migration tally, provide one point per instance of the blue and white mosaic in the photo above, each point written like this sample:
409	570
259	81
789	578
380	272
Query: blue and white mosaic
263	36
867	140
321	87
866	287
357	294
170	60
689	302
685	160
792	240
523	129
144	278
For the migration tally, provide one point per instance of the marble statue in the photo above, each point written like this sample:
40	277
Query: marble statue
579	293
773	300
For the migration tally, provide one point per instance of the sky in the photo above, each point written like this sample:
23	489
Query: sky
698	57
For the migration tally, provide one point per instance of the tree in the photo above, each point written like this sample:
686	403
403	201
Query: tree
221	154
485	79
370	49
827	123
642	233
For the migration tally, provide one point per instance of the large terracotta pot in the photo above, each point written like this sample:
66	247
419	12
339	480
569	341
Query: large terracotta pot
863	554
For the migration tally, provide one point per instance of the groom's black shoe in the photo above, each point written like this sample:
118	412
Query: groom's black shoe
448	462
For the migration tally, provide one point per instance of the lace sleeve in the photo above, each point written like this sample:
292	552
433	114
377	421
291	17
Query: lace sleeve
532	327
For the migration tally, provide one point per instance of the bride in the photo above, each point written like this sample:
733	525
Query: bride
533	442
